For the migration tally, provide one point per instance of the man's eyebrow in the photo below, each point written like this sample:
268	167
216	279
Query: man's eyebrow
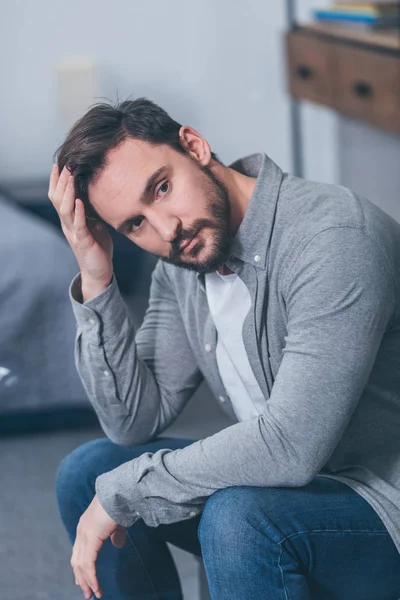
150	183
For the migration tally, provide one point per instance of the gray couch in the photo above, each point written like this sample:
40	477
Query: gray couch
36	322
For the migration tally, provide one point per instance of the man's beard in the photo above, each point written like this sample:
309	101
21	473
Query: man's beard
219	209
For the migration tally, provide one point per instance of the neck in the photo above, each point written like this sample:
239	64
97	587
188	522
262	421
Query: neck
240	190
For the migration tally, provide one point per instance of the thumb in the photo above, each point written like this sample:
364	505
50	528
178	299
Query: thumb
118	538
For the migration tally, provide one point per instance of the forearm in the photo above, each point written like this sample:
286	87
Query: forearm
120	386
173	485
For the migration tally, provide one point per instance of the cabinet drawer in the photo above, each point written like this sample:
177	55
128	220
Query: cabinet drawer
310	69
367	86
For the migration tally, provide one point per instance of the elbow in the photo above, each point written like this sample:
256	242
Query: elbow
120	438
305	474
295	480
305	479
296	474
128	436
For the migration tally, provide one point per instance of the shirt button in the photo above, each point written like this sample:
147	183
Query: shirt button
92	321
207	348
222	399
257	258
106	373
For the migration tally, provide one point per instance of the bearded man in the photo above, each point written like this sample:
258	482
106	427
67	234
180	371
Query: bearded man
283	294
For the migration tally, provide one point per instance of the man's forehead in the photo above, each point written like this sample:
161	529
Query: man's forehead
128	167
135	157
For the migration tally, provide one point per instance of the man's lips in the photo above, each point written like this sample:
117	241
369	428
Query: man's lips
187	245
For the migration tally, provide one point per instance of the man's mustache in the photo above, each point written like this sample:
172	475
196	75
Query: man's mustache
187	234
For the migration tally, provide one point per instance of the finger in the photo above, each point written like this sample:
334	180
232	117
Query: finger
87	591
118	538
81	579
67	205
60	188
53	180
83	585
88	580
89	568
92	581
86	557
87	572
80	224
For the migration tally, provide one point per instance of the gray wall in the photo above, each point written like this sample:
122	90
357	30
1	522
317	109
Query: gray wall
369	163
216	65
212	64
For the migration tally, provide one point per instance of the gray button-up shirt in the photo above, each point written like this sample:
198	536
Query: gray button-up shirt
322	266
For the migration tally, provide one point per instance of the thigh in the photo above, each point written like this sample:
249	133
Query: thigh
340	542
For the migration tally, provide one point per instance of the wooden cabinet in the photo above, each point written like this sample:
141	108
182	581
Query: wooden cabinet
310	68
355	78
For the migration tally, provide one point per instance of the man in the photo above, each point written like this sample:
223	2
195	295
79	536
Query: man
283	295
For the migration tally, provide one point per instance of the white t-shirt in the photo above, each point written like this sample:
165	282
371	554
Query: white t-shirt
229	302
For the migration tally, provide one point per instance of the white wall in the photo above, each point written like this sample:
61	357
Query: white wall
215	64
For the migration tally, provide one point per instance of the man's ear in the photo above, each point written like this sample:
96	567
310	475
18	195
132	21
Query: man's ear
195	145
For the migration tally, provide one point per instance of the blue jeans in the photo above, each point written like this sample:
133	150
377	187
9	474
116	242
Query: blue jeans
319	542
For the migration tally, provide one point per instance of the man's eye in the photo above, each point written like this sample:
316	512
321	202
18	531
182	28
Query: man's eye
163	189
136	223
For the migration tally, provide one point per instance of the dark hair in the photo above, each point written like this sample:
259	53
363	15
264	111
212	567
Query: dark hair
104	127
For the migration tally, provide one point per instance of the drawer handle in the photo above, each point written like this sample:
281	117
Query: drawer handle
363	89
304	72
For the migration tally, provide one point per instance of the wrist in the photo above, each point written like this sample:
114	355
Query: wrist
91	289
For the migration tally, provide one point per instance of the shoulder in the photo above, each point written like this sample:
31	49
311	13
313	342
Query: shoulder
340	261
319	216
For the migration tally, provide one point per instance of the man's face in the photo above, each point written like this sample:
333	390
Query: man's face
166	203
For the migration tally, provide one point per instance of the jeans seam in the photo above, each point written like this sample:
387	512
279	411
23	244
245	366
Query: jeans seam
282	574
363	531
156	596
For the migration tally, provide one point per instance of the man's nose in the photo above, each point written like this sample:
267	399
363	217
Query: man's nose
166	226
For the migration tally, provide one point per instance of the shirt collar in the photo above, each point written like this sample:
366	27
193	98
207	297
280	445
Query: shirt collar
252	239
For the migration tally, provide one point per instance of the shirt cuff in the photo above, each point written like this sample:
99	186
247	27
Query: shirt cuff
113	503
104	314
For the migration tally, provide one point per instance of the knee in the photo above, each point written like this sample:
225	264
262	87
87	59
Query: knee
236	517
77	472
227	518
